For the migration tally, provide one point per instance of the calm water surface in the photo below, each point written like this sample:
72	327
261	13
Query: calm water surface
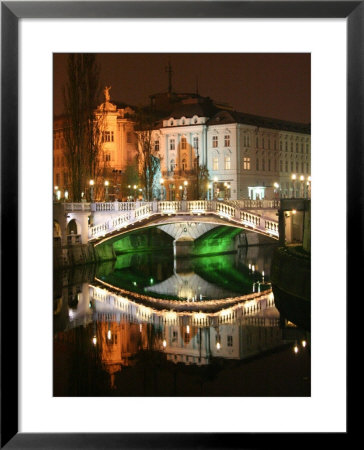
111	343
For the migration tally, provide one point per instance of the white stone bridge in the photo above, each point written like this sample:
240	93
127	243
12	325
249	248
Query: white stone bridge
98	222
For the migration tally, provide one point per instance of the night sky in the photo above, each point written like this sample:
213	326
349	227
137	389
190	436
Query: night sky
271	85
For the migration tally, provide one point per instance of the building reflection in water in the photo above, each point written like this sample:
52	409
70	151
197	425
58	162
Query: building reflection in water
91	321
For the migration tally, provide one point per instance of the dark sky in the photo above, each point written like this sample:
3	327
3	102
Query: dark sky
272	85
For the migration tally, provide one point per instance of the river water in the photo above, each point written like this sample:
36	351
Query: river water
149	324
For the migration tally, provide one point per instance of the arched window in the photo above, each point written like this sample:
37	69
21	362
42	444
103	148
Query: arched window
227	162
184	164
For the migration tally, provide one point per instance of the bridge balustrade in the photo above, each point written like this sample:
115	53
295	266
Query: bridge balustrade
121	221
199	206
170	207
83	206
271	227
226	210
250	219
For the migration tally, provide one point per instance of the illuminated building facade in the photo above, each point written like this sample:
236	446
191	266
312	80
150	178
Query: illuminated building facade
118	151
246	156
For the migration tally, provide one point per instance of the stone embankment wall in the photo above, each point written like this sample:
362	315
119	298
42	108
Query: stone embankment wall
78	254
291	283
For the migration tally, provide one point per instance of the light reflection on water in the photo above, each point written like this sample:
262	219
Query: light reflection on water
107	344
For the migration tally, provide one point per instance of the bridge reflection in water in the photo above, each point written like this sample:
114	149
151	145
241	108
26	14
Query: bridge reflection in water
111	341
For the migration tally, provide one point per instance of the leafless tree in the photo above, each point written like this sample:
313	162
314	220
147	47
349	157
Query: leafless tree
148	157
82	128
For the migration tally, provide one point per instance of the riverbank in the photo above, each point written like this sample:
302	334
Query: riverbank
291	284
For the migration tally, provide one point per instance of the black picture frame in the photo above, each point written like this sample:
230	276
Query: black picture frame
11	12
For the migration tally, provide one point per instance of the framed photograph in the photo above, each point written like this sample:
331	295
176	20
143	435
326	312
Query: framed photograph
190	216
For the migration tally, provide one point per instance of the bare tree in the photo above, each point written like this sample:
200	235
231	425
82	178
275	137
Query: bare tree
82	128
148	157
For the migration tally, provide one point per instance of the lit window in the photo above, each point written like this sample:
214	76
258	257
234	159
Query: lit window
107	157
172	144
246	164
183	143
227	140
108	136
227	162
215	163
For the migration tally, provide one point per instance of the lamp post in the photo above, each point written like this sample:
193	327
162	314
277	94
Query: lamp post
215	188
135	187
162	189
106	191
197	172
308	187
185	183
302	186
92	190
209	195
293	177
180	192
276	189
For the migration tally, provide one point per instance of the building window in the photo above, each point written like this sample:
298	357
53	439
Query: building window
256	142
246	164
156	146
262	142
296	147
184	164
297	169
281	166
195	142
257	164
269	144
301	148
227	162
275	144
291	166
107	157
263	164
107	136
286	167
286	146
183	143
268	165
302	167
280	146
215	141
229	341
227	140
307	171
172	144
215	163
173	165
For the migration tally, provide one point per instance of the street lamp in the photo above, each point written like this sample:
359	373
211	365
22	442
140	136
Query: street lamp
180	191
134	187
92	190
276	188
185	183
162	189
294	184
215	188
106	190
308	187
197	172
302	187
209	186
